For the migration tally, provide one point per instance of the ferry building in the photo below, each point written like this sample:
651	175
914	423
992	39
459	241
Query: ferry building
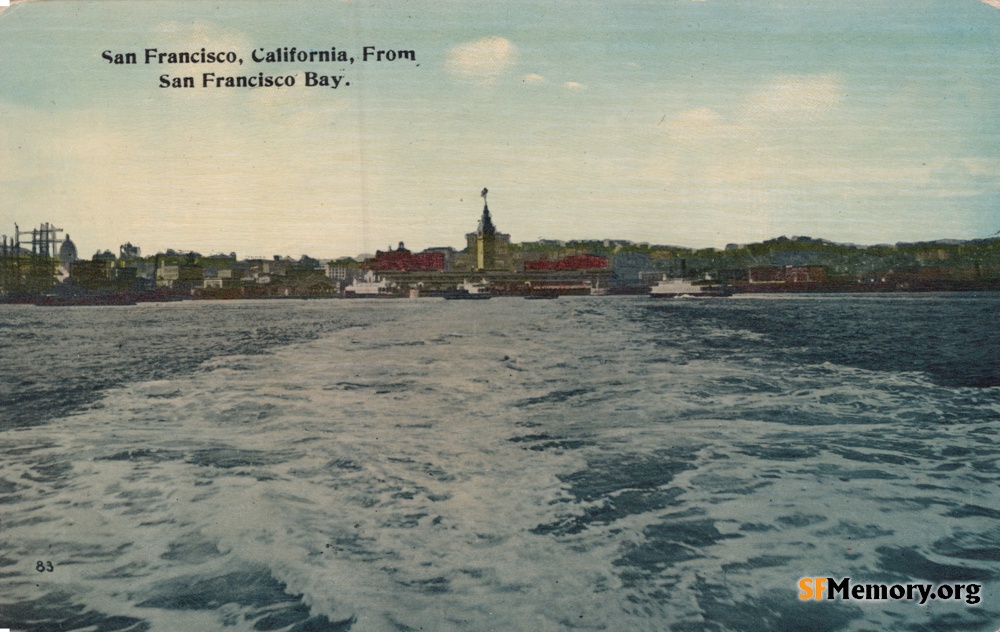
488	259
487	250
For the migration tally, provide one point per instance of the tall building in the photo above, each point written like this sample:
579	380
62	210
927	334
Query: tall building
487	249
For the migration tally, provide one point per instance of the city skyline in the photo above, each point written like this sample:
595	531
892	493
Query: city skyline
688	123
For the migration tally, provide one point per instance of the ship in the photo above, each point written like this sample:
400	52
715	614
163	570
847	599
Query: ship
675	288
369	286
469	291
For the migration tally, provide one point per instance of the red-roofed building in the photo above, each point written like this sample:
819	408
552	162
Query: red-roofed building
573	262
403	260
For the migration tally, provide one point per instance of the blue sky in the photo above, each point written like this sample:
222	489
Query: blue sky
694	123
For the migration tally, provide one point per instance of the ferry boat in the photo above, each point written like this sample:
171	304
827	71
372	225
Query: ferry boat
597	290
469	291
369	286
675	288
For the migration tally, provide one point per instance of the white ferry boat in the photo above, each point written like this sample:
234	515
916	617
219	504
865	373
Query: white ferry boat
675	288
369	286
467	291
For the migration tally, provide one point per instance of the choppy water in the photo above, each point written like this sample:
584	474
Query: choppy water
584	464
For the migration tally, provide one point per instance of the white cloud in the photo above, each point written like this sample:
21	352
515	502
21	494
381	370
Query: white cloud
572	85
992	3
533	78
482	61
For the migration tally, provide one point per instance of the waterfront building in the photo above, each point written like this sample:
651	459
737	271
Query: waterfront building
261	271
487	249
787	274
404	260
178	277
488	258
572	262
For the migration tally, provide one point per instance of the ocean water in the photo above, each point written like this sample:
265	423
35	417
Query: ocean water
611	463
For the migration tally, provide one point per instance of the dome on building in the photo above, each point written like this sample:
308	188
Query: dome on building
67	252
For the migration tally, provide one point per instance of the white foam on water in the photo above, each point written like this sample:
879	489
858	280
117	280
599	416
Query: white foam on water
398	473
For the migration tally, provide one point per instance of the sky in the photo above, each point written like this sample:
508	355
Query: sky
692	123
